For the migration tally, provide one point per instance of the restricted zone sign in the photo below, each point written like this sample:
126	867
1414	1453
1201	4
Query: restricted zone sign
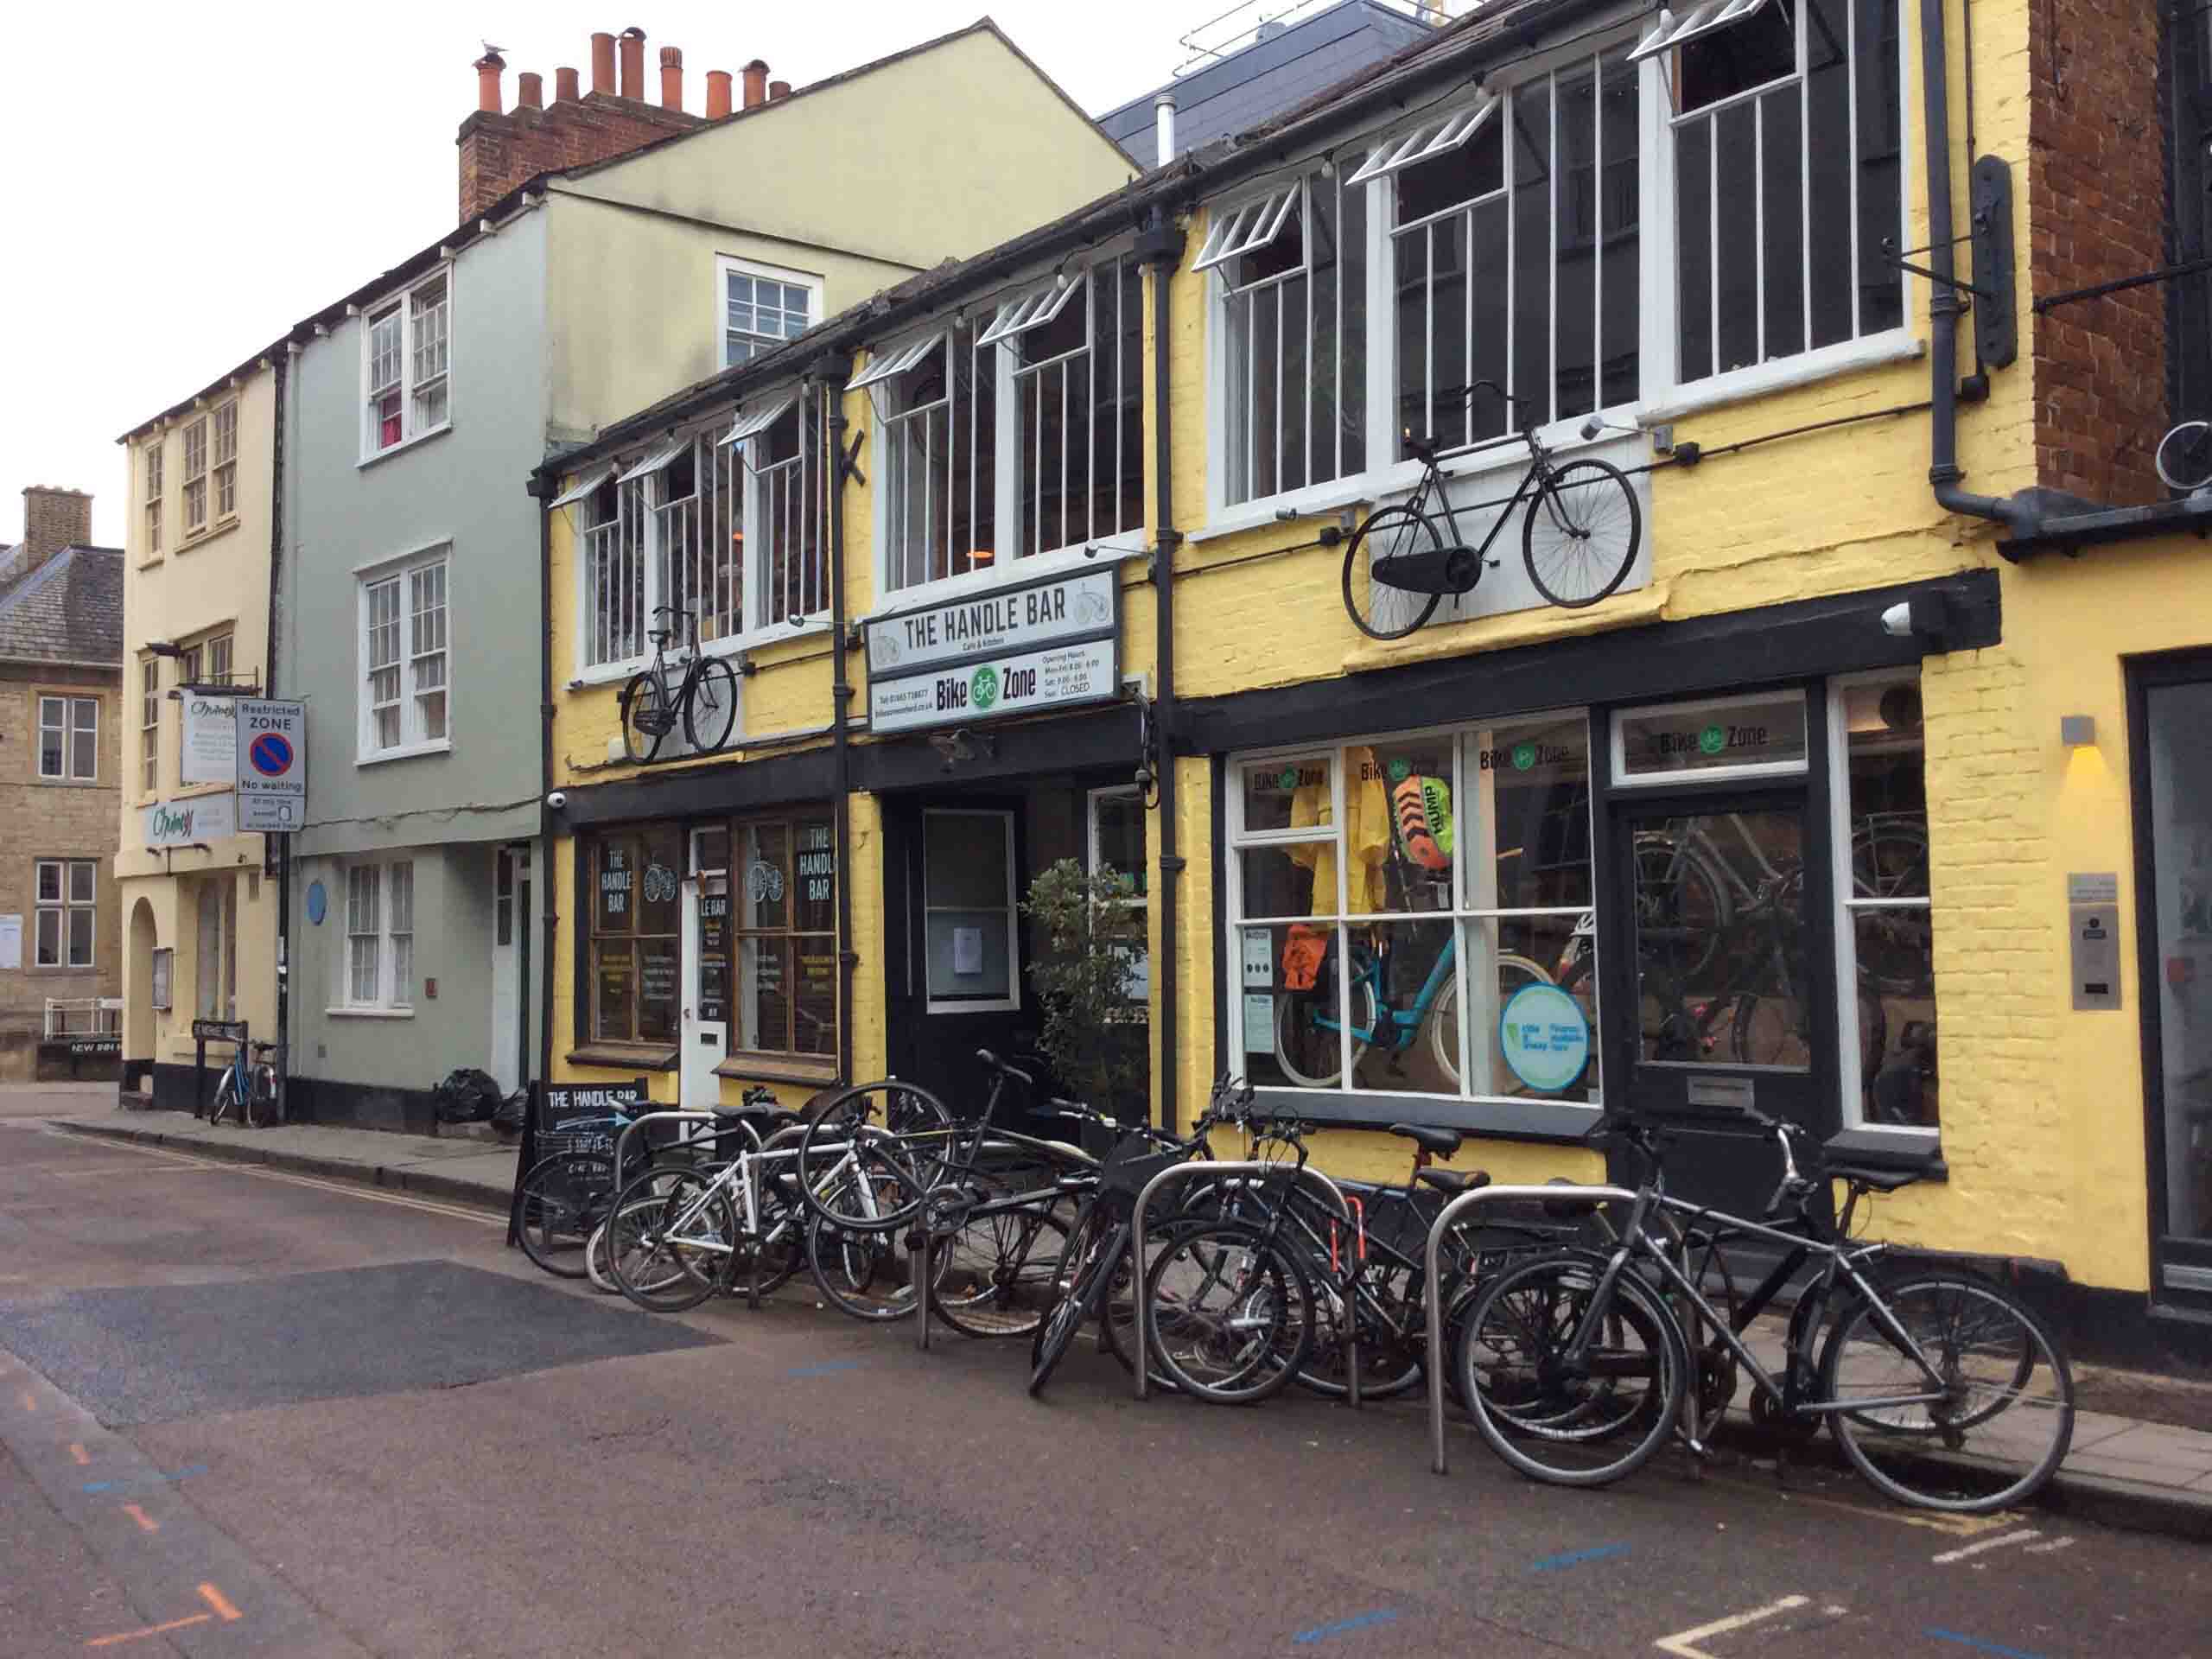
273	787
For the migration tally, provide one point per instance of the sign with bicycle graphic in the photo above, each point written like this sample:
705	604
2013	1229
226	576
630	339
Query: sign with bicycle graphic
1048	644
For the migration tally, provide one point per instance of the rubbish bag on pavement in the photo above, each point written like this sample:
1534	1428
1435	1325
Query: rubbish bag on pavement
467	1096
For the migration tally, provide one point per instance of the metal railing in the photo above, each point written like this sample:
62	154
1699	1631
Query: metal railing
1446	1219
83	1016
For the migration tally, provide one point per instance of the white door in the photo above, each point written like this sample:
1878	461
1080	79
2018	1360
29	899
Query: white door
706	970
507	924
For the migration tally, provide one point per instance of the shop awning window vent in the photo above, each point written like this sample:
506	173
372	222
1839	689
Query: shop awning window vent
1425	144
1676	28
1032	310
752	425
654	458
583	489
887	366
1236	231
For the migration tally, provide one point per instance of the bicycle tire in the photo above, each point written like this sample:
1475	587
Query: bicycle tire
1918	1455
644	696
1251	1340
226	1096
1580	1429
596	1266
1082	1277
564	1198
2183	458
869	1124
1388	612
1580	536
849	1267
997	1278
711	708
660	1275
1304	1072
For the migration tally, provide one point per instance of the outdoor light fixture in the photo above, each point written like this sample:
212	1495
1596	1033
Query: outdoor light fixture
2078	731
164	648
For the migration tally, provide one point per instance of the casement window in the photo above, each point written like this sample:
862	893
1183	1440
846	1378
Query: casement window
67	895
1787	127
195	477
154	494
1024	439
636	917
1513	250
1388	898
218	671
1290	271
227	460
149	723
69	738
407	357
762	306
784	886
379	966
406	680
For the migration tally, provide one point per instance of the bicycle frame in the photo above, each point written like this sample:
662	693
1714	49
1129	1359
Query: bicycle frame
1432	483
1405	1023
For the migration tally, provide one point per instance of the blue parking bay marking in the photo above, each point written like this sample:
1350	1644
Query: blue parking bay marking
1978	1645
156	1480
1344	1626
1576	1557
825	1369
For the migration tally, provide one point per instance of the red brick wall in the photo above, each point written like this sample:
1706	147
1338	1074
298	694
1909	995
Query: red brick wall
2097	210
498	152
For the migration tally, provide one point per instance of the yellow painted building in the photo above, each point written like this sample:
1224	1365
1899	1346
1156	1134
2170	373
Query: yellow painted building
200	921
1612	822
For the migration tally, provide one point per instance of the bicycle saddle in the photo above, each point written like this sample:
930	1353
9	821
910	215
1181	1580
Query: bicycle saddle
1878	1181
993	1062
1451	1180
1442	1142
765	1119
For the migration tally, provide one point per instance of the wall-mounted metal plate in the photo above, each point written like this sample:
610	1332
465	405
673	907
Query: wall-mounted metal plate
1996	311
2093	936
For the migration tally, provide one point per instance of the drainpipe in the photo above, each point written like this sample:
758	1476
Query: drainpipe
280	368
541	490
1160	249
1945	303
841	703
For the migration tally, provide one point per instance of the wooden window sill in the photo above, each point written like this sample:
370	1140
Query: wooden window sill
652	1057
781	1068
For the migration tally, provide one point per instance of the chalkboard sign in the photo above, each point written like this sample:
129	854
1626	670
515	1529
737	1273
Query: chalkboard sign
569	1119
562	1104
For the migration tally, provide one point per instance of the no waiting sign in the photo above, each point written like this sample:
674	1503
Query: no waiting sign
273	787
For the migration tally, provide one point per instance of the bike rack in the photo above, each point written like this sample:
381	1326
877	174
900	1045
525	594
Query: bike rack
1174	1172
1438	1359
752	1173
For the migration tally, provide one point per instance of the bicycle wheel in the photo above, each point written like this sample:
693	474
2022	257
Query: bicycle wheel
671	1241
864	1275
1080	1276
2184	457
894	1135
2001	1414
997	1274
597	1267
1388	1366
646	716
1573	1420
226	1099
1379	609
564	1199
711	709
1310	1053
1231	1312
1580	533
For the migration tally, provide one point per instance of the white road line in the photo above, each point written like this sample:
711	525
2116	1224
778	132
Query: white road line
1682	1645
1965	1550
2055	1544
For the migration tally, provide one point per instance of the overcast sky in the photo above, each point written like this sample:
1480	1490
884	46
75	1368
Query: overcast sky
182	183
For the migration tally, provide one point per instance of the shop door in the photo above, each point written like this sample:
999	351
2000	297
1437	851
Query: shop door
704	1034
1727	968
2172	711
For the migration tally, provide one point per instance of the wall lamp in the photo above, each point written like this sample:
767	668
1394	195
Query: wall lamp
2078	731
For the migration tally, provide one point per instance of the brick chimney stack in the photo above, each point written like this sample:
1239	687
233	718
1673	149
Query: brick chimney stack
756	84
53	519
778	89
500	149
717	94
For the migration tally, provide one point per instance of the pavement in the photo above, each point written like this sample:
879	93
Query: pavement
249	1411
2123	1470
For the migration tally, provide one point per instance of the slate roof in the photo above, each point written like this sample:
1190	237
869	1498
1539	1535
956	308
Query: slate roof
1242	90
69	610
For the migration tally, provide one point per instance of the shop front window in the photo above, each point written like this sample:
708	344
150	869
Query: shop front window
1412	915
784	878
636	878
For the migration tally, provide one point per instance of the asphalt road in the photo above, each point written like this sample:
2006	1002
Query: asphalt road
244	1413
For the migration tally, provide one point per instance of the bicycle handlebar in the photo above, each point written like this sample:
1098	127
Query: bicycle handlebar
993	1062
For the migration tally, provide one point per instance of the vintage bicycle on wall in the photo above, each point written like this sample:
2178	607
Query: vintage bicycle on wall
702	694
1579	535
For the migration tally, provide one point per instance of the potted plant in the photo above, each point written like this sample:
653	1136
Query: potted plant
1095	1025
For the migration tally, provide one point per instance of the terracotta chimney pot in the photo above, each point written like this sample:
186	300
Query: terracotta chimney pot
778	89
530	90
756	84
602	62
717	93
564	85
671	78
633	63
487	82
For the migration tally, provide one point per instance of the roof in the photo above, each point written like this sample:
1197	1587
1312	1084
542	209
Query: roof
1237	93
1445	58
69	610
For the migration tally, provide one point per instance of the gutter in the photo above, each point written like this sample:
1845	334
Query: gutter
841	700
550	911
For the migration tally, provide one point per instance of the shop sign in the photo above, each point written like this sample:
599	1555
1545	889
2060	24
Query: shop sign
211	748
1544	1038
271	764
1722	735
180	823
1047	645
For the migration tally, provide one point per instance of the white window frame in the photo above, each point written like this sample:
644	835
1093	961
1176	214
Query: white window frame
1012	1001
150	724
195	478
1136	904
727	265
386	928
154	490
71	720
225	425
399	575
61	907
420	363
1617	742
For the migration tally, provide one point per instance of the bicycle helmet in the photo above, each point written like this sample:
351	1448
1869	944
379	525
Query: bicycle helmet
1421	808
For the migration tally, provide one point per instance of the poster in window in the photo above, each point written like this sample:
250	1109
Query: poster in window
613	896
764	993
814	906
658	965
615	976
714	951
814	1030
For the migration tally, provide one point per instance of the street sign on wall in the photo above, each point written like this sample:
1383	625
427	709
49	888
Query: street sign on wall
210	752
1047	645
203	819
272	763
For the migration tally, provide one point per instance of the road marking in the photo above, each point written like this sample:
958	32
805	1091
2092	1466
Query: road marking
146	1523
1576	1557
1322	1632
151	1630
29	1400
79	1452
1965	1550
154	1479
1978	1645
1682	1644
220	1603
825	1369
1956	1526
2052	1548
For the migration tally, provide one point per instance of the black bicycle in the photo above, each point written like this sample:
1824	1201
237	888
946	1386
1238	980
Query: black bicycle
703	696
1578	536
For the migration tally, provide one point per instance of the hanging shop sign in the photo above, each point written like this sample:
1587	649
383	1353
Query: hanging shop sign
180	823
1047	645
211	748
272	763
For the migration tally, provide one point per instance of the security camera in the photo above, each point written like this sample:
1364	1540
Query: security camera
1898	620
1592	428
557	800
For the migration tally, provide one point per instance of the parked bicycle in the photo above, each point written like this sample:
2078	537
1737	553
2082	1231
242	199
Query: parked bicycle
702	695
1579	535
246	1091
